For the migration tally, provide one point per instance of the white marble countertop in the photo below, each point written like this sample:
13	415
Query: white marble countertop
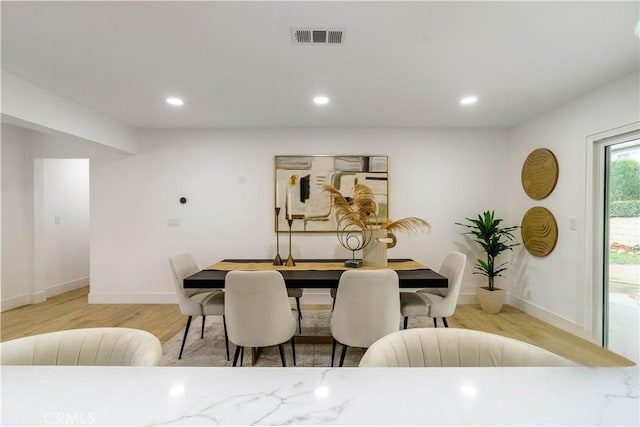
103	396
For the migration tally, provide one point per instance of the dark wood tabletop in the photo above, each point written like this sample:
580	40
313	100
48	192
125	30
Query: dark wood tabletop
306	278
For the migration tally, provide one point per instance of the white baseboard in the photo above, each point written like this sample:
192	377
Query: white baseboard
14	302
124	298
467	298
24	299
537	312
551	318
66	287
41	296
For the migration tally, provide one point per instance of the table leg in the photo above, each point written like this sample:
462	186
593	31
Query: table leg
300	339
313	339
255	354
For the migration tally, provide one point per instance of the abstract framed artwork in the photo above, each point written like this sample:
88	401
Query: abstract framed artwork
299	192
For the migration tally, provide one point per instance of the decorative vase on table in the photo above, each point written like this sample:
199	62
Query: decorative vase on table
359	228
375	253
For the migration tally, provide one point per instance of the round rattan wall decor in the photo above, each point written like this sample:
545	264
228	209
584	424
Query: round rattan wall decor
539	231
539	173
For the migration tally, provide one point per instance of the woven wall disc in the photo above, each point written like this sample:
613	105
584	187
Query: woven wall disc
539	231
539	173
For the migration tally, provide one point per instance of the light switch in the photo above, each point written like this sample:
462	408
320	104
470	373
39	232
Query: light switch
573	223
56	220
173	222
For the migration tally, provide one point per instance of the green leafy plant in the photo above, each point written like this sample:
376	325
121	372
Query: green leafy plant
624	208
494	240
625	180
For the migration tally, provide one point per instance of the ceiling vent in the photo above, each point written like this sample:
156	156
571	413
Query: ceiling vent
317	36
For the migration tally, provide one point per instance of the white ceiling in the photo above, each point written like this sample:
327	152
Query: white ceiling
403	64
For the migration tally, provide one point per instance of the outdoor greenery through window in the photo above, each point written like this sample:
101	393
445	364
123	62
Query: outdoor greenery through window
624	249
625	187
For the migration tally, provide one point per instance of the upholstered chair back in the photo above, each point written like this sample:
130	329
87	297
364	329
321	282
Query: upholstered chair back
183	266
367	307
257	309
452	268
86	347
453	347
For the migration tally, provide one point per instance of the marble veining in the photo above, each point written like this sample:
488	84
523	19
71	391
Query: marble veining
319	396
285	404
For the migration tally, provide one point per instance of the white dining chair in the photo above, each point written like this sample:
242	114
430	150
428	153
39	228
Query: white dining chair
258	312
435	304
367	307
195	302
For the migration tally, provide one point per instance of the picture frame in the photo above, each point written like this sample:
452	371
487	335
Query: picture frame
298	188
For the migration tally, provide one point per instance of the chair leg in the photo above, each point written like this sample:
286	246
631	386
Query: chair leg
444	319
281	348
293	350
299	314
235	356
241	356
333	305
435	322
298	307
184	339
406	322
342	354
202	331
333	351
226	337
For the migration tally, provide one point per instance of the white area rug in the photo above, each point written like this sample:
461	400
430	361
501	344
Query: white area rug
210	350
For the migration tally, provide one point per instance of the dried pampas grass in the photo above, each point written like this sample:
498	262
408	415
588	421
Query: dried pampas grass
410	226
358	212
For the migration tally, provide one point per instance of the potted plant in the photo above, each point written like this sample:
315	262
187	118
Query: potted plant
494	240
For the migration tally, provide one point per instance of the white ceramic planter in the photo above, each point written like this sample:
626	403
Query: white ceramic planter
491	301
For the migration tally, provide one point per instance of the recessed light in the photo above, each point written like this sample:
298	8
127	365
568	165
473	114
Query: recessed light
468	100
172	100
321	100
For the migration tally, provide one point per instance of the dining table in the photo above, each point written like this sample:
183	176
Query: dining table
315	273
310	274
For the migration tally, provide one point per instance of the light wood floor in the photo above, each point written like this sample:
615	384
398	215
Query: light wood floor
71	310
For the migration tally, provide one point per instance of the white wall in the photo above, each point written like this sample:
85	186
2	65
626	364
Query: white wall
40	258
227	176
557	288
30	106
17	218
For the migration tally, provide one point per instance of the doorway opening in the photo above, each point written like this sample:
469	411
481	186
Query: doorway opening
61	225
621	260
